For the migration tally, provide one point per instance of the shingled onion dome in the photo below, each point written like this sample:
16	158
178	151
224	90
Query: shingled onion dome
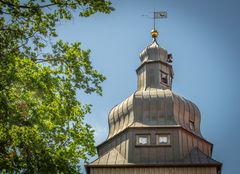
154	107
154	103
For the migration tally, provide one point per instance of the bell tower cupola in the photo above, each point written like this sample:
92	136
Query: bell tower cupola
155	130
155	70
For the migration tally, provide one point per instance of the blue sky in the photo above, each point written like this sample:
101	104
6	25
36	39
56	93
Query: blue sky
203	37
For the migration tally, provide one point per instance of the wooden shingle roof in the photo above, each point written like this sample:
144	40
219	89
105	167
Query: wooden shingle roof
154	107
194	158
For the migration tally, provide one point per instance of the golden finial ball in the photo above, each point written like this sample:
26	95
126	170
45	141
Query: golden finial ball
154	33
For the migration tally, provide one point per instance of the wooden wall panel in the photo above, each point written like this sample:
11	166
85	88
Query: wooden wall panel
205	148
180	139
188	142
184	145
118	144
195	142
182	142
155	170
176	145
153	153
123	146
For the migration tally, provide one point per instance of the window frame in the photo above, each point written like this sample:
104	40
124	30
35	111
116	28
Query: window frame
158	135
148	136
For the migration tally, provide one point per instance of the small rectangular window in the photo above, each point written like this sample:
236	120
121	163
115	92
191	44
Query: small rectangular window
163	139
164	78
143	139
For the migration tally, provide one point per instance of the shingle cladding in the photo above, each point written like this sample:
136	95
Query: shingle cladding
154	52
154	107
195	157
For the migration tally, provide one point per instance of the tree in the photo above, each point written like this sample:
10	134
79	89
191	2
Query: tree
42	127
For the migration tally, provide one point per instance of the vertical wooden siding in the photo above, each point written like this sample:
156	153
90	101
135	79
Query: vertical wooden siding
182	142
153	153
155	170
120	142
189	141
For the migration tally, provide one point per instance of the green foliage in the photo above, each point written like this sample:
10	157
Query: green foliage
42	127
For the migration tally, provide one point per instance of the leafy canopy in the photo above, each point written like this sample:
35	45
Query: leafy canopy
42	127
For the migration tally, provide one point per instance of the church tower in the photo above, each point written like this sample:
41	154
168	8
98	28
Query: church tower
154	131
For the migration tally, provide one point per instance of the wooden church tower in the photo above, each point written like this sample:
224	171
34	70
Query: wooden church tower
154	131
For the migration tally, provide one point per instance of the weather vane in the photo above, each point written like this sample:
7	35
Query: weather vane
156	15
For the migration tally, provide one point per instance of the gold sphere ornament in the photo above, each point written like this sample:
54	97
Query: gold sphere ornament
154	33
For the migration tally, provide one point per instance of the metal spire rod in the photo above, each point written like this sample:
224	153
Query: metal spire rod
154	20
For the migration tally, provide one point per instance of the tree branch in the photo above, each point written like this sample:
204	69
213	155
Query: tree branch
28	7
12	5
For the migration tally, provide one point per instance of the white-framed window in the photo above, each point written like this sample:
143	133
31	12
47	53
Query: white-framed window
163	139
142	139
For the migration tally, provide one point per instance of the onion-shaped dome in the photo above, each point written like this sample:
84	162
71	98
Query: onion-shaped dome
154	52
154	107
